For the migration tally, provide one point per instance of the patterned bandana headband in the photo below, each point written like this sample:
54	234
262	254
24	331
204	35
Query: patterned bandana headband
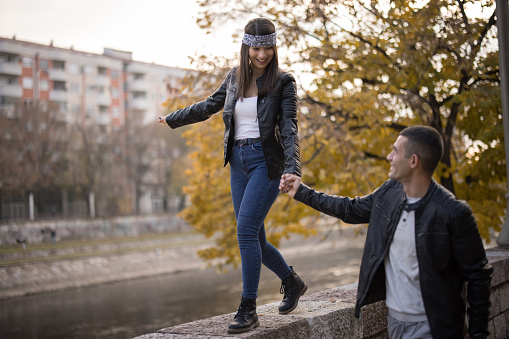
260	40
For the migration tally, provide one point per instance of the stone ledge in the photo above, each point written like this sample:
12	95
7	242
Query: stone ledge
321	315
330	314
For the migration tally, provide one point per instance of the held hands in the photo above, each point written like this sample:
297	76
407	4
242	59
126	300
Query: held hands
289	184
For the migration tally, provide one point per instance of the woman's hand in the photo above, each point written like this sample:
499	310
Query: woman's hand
289	184
162	120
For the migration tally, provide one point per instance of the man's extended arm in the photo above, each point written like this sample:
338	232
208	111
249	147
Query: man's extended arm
351	210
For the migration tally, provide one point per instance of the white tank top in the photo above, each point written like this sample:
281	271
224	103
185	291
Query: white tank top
246	118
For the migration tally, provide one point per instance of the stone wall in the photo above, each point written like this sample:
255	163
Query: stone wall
330	314
35	232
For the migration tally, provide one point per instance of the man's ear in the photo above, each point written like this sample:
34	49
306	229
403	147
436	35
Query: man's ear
414	161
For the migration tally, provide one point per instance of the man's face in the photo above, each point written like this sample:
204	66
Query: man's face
400	164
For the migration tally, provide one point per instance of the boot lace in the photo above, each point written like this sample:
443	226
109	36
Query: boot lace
242	310
286	290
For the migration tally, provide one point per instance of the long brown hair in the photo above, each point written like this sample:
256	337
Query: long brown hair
258	26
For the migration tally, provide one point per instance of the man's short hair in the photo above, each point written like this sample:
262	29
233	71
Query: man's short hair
426	143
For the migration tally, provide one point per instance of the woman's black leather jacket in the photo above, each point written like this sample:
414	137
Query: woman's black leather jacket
277	117
449	249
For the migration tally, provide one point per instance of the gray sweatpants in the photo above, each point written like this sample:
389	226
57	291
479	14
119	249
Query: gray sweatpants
408	330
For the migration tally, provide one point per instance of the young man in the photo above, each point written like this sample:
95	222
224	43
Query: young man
423	250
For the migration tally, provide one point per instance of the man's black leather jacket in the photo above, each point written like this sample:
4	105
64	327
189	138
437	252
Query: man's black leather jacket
449	249
277	117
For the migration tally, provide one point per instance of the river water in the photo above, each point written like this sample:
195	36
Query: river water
131	308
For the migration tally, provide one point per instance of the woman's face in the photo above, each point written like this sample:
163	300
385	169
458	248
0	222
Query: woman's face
260	57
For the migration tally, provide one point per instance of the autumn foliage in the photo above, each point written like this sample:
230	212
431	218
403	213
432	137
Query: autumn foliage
375	68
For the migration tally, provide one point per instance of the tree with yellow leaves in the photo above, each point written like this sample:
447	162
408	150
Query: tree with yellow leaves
377	67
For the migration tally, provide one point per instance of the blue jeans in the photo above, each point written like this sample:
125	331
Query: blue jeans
253	194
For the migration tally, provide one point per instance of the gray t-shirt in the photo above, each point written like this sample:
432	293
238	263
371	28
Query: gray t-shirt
403	297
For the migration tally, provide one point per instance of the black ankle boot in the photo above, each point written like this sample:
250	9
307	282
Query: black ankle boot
246	318
293	288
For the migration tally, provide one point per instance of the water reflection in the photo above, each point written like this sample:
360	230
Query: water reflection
130	308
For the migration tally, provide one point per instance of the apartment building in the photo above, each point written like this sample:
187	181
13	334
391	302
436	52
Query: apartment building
106	90
98	87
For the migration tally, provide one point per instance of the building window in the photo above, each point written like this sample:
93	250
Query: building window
115	112
27	62
44	85
114	93
114	74
43	65
58	64
27	83
59	85
87	70
75	87
139	95
102	70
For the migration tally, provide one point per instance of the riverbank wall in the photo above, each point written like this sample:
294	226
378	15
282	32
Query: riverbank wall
89	252
37	232
330	314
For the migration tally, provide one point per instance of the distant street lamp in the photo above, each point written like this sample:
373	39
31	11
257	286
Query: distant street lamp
503	57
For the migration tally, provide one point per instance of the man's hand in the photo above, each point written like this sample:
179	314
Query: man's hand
289	184
162	120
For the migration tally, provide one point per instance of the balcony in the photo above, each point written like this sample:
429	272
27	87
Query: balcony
10	68
11	90
102	80
138	86
58	74
58	95
135	67
103	100
139	104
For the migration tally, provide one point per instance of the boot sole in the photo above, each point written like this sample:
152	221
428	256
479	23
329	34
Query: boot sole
296	301
245	329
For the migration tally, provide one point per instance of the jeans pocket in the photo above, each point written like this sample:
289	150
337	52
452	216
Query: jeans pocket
257	147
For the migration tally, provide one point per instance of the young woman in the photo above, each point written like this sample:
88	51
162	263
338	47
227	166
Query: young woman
261	144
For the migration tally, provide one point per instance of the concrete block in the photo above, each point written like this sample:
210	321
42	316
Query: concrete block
271	326
325	319
491	328
501	327
499	297
374	320
497	258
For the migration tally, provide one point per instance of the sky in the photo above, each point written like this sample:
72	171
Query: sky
160	31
